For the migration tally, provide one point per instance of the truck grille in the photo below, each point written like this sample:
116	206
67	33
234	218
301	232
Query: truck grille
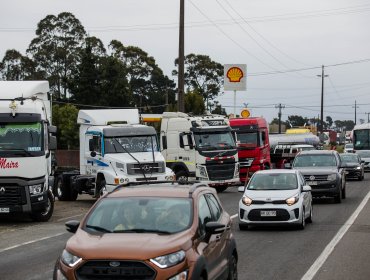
224	171
104	270
148	168
245	162
12	195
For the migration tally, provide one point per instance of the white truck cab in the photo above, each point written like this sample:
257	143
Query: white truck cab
200	147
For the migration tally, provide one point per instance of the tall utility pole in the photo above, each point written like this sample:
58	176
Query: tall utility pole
322	99
368	119
355	112
279	114
180	84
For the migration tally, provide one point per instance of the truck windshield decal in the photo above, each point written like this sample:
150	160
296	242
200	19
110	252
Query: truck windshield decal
21	137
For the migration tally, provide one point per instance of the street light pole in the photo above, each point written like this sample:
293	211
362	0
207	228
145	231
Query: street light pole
180	99
322	99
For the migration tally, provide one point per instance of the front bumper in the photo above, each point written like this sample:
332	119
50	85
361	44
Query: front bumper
324	188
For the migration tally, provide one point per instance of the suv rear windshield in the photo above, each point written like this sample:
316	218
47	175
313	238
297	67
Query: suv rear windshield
315	161
140	215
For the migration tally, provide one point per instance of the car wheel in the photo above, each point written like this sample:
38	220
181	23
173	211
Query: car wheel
338	197
45	215
233	268
309	219
182	177
243	226
344	192
302	224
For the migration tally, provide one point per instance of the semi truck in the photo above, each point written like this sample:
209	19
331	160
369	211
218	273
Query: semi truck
115	149
27	139
199	147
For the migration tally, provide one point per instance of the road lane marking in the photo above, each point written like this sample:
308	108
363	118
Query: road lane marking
30	242
315	267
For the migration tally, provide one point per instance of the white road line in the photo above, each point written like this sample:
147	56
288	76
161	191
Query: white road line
311	272
30	242
234	216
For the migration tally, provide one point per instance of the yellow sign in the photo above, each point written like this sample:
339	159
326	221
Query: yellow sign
245	113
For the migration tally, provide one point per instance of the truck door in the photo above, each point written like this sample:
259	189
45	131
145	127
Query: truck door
93	153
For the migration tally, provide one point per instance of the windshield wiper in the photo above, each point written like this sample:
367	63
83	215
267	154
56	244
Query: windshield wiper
22	150
141	230
97	228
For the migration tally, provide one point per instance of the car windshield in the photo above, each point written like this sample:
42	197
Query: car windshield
364	154
131	144
349	158
273	181
314	161
140	215
217	140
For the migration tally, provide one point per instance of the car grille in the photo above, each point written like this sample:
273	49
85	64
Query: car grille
148	168
272	202
317	177
12	195
281	215
106	270
224	171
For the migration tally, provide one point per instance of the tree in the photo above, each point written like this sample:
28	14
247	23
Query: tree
56	49
202	75
329	121
194	103
296	120
65	118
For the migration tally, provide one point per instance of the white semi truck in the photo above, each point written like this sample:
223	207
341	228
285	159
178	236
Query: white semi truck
115	149
199	147
26	141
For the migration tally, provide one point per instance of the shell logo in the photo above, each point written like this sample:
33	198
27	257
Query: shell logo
245	113
235	74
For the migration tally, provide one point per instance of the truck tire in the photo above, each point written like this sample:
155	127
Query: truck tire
101	189
44	216
182	177
62	192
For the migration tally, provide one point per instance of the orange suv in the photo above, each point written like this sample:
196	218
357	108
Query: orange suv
162	231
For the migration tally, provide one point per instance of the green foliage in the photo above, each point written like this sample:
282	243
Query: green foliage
194	103
65	118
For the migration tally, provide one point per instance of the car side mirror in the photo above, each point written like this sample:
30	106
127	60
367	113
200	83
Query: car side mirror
72	226
215	227
306	188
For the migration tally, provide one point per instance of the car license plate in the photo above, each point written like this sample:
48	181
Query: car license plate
268	213
312	183
4	210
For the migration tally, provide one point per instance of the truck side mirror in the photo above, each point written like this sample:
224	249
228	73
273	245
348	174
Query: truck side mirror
52	129
52	143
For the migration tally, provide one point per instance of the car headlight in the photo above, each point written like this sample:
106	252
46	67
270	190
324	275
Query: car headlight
169	260
181	276
36	189
246	200
358	167
69	259
202	171
292	200
332	177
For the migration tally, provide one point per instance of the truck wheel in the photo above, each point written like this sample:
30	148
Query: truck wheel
182	177
45	215
61	191
101	190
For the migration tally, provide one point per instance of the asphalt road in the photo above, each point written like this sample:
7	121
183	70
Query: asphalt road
28	250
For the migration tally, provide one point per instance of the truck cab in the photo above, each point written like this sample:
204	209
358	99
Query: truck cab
253	145
200	147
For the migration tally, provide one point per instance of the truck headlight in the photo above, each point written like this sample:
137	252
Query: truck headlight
332	177
169	260
202	171
292	200
36	189
69	259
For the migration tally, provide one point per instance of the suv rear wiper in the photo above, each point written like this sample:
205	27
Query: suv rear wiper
97	228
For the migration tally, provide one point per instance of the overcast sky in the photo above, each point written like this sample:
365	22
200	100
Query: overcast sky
267	35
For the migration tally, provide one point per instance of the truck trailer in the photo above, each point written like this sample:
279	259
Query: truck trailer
26	141
115	149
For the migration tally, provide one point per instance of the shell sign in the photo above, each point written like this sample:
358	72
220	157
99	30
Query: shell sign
235	77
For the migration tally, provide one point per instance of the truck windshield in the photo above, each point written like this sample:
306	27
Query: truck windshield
21	138
248	139
214	140
314	161
131	144
361	139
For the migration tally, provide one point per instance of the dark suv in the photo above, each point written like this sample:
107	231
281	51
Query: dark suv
165	231
324	171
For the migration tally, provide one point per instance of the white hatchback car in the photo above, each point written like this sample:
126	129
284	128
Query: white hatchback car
276	196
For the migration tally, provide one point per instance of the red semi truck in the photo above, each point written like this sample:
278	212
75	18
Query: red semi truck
253	145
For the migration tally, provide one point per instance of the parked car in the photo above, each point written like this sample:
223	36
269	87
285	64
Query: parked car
365	157
354	165
276	196
348	148
166	231
324	171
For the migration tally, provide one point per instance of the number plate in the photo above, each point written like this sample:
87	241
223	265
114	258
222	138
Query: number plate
4	210
312	183
268	213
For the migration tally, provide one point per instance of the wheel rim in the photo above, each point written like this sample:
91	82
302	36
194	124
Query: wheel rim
234	273
183	179
59	188
47	207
